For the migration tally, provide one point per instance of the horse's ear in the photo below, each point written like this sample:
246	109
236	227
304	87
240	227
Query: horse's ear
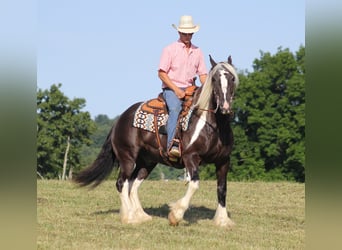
230	61
213	63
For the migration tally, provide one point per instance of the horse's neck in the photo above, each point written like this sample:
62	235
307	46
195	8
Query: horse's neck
223	120
223	128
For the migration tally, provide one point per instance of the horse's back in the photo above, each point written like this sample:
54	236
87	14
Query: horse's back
124	124
129	112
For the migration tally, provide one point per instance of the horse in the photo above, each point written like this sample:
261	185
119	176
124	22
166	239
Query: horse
208	139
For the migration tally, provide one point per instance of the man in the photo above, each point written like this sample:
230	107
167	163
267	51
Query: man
180	62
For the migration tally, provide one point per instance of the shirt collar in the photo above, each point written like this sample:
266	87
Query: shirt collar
183	45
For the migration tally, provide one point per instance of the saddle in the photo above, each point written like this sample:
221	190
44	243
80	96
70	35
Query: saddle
157	106
188	99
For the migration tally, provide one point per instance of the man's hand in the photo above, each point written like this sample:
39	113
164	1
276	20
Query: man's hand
179	93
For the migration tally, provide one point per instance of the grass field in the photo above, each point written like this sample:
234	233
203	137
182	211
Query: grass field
267	216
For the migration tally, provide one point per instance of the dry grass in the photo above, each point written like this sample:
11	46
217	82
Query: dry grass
267	216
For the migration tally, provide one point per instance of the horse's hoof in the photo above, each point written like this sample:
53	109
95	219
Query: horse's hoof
146	218
139	218
228	224
172	219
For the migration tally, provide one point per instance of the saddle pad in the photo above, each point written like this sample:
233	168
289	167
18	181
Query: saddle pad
145	120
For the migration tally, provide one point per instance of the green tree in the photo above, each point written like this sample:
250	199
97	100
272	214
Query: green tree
163	172
62	129
269	128
103	125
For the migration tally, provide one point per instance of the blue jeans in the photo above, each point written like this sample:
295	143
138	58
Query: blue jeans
174	105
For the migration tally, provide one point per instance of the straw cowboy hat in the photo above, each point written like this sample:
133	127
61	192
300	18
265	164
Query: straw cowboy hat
186	25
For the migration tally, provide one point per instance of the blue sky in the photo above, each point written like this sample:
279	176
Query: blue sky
108	51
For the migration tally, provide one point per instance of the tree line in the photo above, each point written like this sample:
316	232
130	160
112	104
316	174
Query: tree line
268	126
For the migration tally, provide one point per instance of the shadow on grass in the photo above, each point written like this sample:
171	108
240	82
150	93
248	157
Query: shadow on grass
110	211
192	215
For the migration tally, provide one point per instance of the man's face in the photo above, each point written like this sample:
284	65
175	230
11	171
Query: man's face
185	37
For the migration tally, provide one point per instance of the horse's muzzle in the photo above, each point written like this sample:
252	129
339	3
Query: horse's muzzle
225	111
225	108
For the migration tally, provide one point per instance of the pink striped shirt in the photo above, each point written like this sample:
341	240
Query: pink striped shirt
181	66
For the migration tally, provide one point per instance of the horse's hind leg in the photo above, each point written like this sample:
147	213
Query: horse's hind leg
123	186
139	214
131	210
221	216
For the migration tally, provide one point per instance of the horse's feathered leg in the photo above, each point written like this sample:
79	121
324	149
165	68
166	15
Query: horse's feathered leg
131	210
139	175
178	208
126	204
139	215
221	216
123	186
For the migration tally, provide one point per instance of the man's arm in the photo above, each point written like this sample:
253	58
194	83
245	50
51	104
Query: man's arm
166	80
203	78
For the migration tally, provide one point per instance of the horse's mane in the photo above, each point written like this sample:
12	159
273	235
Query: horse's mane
203	100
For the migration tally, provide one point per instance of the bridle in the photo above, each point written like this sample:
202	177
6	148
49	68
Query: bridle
211	110
218	101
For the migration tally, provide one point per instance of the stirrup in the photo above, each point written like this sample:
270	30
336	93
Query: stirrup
172	158
174	151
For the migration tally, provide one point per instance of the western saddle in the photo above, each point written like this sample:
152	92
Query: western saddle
157	106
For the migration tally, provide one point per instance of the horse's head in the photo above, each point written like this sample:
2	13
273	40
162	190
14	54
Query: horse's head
224	81
218	91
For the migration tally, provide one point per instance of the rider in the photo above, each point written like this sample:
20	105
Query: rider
180	62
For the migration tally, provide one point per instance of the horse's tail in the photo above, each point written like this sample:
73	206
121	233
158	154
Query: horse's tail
101	167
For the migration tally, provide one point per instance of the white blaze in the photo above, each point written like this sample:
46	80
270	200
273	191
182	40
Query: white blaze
224	87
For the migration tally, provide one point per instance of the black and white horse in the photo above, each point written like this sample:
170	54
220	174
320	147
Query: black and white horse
208	139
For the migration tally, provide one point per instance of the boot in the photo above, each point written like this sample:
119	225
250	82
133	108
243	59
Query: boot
174	151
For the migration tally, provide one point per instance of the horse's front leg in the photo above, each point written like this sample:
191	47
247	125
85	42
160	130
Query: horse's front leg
221	216
178	208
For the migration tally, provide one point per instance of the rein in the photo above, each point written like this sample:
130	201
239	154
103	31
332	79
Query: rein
162	153
211	110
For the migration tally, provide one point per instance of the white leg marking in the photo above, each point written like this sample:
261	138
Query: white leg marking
126	205
178	208
221	217
139	214
199	126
